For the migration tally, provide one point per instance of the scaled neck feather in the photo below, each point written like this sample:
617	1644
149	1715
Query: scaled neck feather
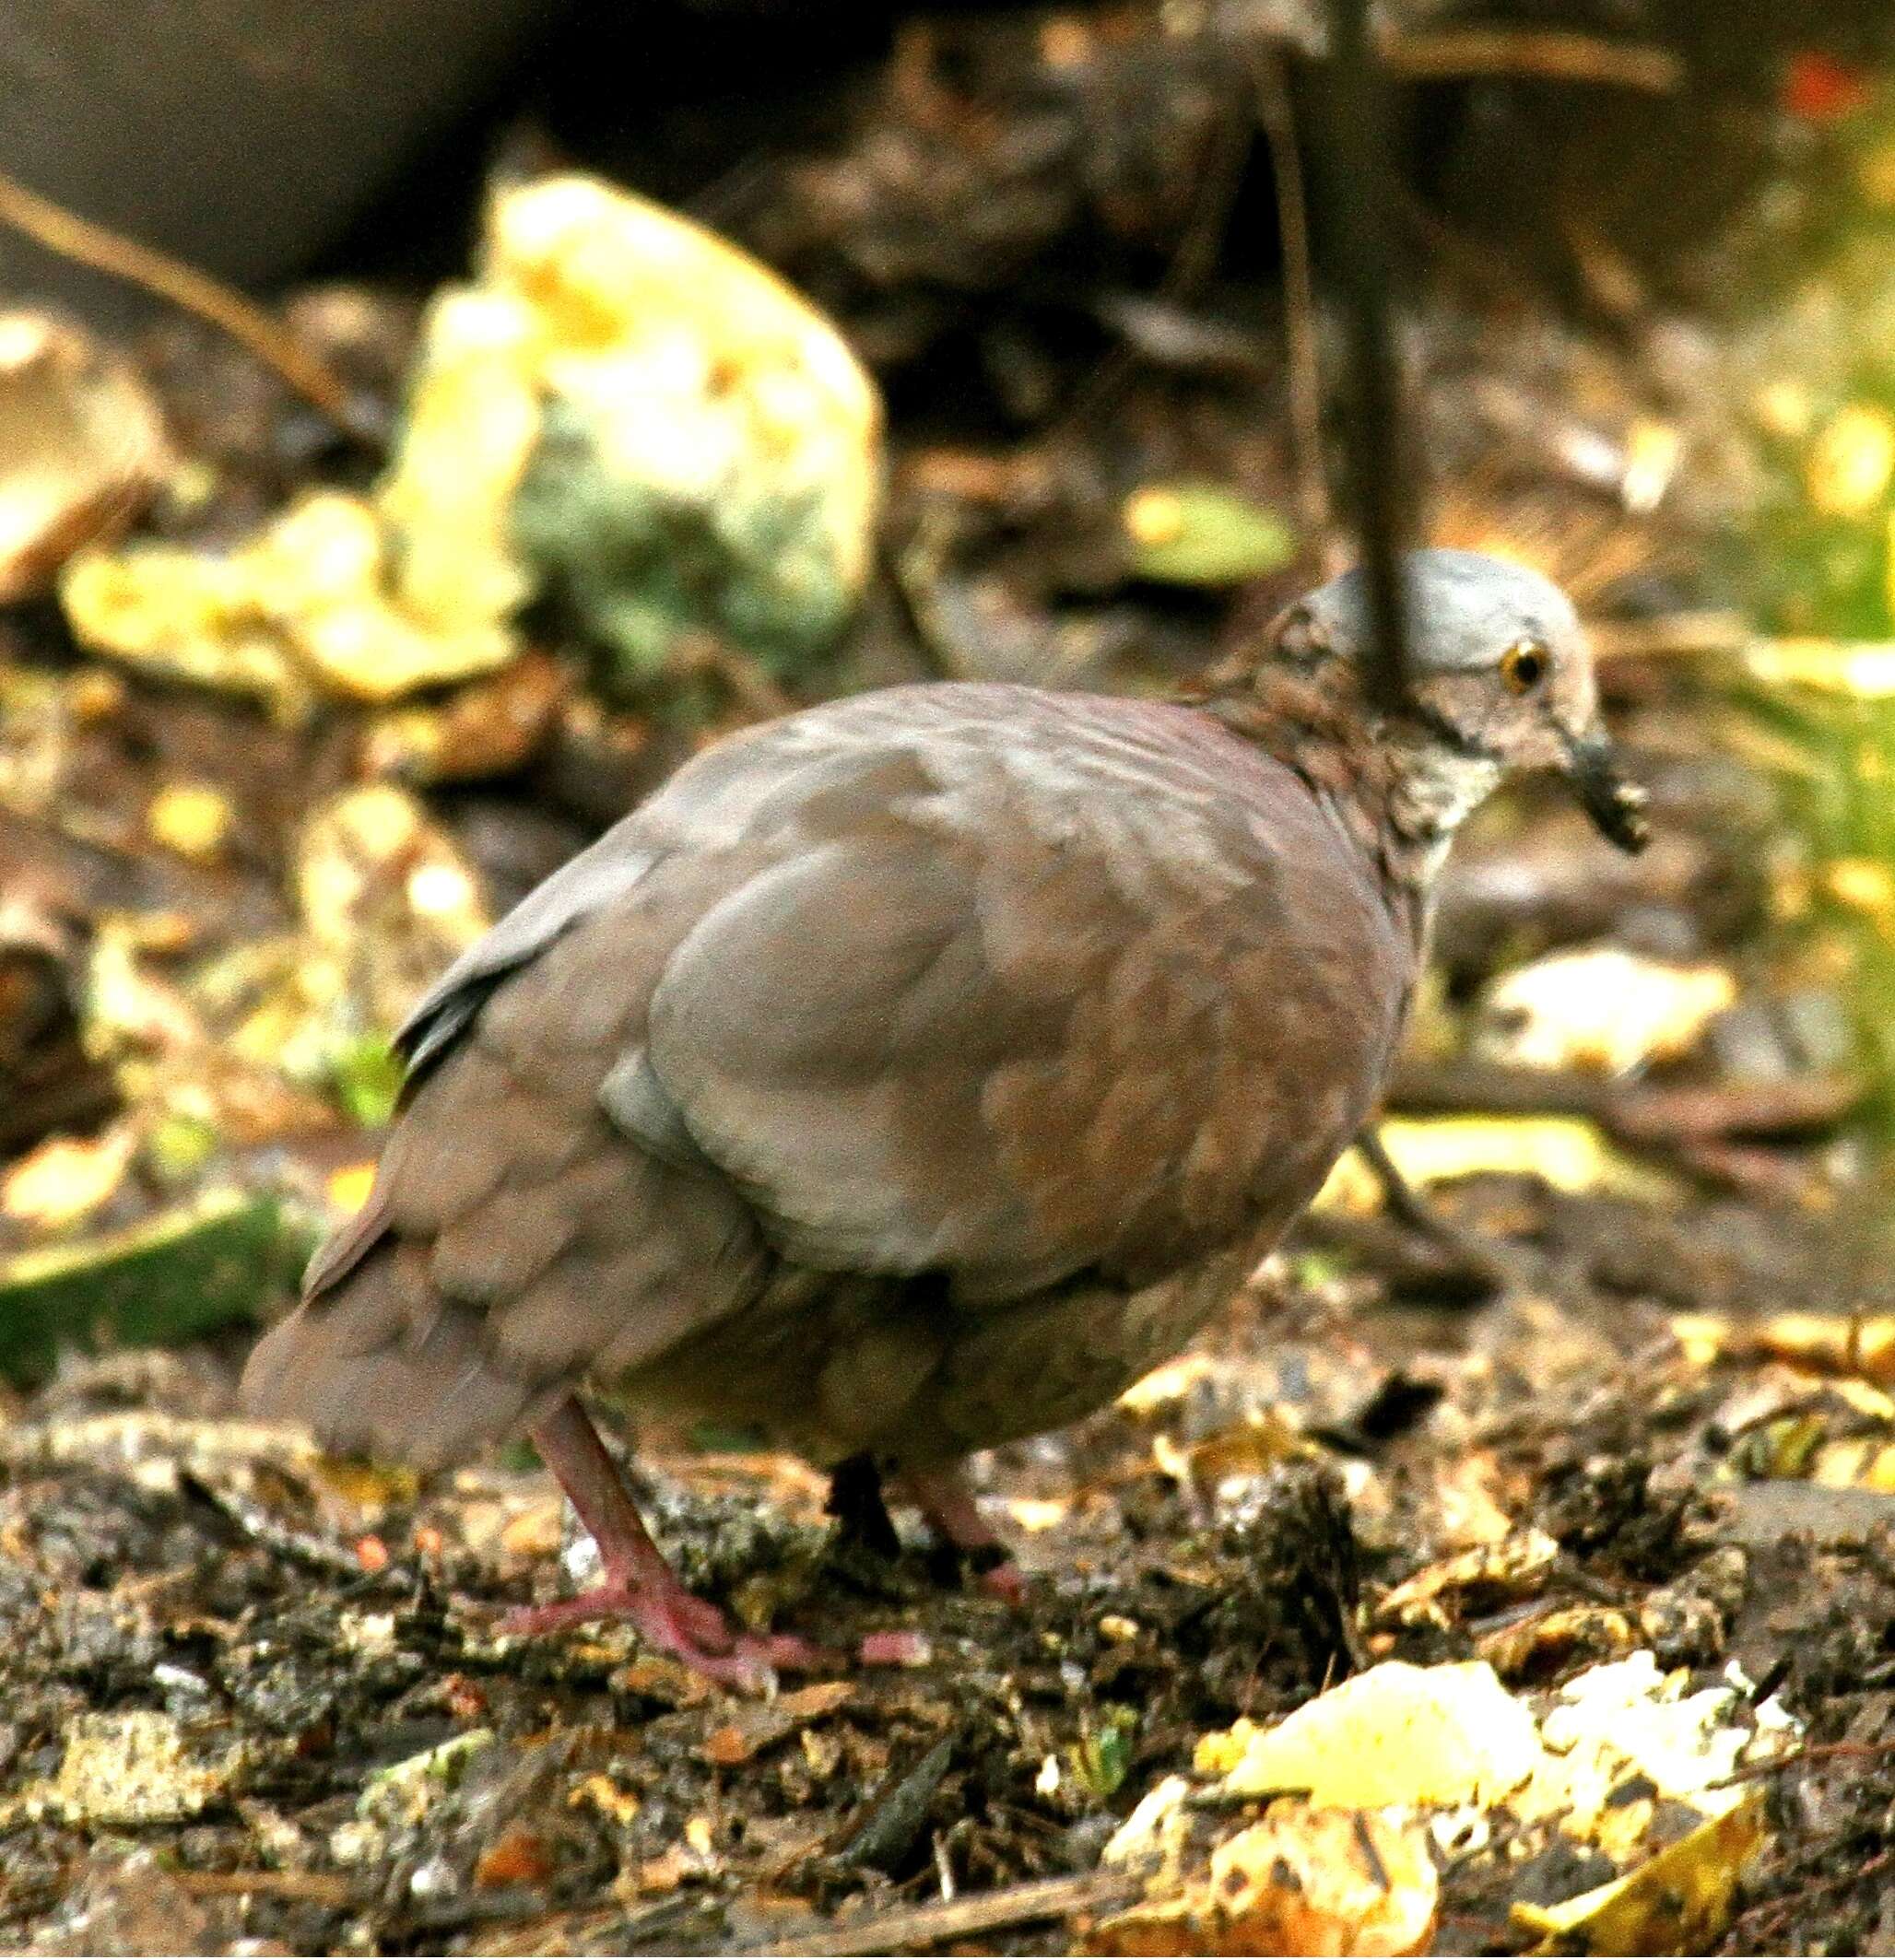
1399	793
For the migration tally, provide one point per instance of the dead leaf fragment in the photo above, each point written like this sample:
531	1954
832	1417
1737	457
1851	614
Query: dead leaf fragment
1627	1760
1676	1903
1543	1643
1601	1009
754	1729
68	1178
1303	1881
1395	1734
1632	1718
708	451
388	898
1567	1152
490	727
517	1857
1825	1344
307	602
599	1792
1517	1567
83	445
137	1767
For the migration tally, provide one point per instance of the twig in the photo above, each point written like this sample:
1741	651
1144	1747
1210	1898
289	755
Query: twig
1671	633
315	1888
86	243
1359	198
605	1929
1797	1758
962	1919
1221	1802
1277	115
1769	1911
1546	53
1372	1857
1635	1113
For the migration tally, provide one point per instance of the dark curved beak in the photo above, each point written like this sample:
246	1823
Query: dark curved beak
1613	801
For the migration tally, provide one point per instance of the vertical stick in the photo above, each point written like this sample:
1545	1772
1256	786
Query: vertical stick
1301	356
1357	184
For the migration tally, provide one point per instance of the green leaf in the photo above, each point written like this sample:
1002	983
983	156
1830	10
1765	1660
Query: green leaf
1201	533
166	1279
367	1074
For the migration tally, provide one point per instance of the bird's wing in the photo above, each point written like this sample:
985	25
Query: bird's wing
1097	977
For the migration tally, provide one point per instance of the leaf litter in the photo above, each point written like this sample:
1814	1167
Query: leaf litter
1581	1566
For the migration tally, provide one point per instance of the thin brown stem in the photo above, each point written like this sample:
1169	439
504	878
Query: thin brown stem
86	244
1276	116
1546	53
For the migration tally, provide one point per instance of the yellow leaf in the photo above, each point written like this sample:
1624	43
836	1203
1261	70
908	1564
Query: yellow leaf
1397	1734
1303	1881
1676	1903
1602	1009
191	819
1862	1347
347	1189
1853	461
66	1179
1517	1567
1567	1152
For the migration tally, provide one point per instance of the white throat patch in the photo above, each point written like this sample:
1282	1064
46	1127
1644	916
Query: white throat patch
1438	791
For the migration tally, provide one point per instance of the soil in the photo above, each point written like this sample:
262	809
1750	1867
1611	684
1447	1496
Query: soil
254	1700
308	1627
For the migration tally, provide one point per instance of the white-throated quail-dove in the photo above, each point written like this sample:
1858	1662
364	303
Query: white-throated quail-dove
914	1072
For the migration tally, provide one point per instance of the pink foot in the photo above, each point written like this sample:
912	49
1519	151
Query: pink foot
641	1590
690	1630
950	1507
1006	1583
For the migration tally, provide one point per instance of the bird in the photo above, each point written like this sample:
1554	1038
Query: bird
912	1074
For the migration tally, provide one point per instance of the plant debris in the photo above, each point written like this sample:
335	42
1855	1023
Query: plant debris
1510	1567
84	443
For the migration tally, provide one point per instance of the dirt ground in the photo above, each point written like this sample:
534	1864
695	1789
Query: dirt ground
254	1700
303	1627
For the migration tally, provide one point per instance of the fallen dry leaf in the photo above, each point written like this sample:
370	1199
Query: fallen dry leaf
83	442
1567	1152
1395	1734
68	1178
1303	1881
1825	1344
1676	1903
1601	1009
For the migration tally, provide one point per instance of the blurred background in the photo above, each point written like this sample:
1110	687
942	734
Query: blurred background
423	426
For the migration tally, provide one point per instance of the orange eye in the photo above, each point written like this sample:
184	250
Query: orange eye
1523	667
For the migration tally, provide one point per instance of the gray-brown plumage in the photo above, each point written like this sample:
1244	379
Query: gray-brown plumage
912	1074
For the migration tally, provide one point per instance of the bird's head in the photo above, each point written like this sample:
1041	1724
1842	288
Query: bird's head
1499	678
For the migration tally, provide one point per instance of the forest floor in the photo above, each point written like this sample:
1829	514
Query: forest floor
249	1695
1619	1423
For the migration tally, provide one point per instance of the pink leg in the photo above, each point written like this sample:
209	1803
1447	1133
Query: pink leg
948	1504
638	1586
